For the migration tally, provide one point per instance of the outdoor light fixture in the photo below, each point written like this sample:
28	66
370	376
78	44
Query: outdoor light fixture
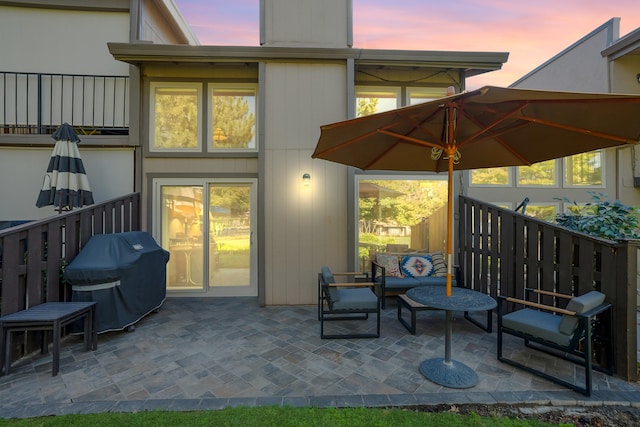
306	179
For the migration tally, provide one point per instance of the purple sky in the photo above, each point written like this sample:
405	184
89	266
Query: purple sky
531	32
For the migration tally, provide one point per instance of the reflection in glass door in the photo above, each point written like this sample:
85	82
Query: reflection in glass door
208	228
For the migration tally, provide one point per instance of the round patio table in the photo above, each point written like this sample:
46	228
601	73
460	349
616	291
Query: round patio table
448	372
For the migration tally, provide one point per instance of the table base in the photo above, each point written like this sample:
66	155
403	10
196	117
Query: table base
449	374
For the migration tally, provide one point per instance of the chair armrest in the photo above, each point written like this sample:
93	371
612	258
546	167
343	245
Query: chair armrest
549	293
596	310
352	285
538	305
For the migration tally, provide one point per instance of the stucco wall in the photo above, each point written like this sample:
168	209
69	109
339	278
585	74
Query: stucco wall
61	41
325	23
305	226
110	173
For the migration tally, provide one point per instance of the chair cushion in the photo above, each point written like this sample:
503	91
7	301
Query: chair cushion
390	263
332	292
417	266
355	299
538	324
580	304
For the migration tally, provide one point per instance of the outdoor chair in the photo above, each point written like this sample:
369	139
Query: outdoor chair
346	301
565	333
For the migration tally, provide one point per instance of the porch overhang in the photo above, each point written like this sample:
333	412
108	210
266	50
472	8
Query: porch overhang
471	63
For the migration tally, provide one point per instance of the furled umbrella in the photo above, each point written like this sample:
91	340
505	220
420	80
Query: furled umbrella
483	128
65	185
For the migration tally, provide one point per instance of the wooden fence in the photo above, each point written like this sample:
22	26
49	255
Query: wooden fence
32	255
502	252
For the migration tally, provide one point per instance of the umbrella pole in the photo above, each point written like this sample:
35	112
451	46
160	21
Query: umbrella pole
449	225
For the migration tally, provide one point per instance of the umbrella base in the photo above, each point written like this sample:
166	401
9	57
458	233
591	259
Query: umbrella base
449	374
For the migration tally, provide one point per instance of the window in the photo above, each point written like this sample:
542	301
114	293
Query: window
425	94
541	174
499	177
584	170
544	211
233	117
400	212
376	100
175	117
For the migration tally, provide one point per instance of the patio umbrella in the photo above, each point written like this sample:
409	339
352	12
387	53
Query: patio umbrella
483	128
65	184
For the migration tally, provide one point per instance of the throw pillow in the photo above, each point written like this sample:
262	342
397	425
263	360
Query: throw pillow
390	263
439	267
417	266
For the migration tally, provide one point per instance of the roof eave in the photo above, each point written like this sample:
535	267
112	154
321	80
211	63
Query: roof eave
472	62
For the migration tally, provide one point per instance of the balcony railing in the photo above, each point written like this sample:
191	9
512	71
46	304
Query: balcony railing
37	103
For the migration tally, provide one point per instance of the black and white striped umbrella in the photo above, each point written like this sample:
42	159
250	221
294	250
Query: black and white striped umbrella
65	185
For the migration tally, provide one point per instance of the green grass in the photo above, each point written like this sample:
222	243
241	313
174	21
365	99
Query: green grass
277	417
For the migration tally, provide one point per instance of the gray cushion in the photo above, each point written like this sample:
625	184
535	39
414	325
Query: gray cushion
537	323
332	292
403	283
355	299
580	304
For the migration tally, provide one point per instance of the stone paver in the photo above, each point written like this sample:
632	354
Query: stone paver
210	353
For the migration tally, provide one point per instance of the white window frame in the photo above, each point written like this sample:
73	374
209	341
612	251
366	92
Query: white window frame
152	116
210	88
558	169
603	159
509	183
387	89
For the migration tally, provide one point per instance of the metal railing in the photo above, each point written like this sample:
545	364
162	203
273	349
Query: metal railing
38	103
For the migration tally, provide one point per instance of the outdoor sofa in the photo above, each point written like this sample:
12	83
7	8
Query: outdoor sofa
398	272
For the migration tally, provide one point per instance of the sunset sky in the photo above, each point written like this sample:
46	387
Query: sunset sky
531	32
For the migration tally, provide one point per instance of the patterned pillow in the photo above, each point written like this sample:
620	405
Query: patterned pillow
390	263
439	267
417	266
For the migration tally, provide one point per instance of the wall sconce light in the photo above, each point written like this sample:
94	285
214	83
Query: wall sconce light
306	179
638	78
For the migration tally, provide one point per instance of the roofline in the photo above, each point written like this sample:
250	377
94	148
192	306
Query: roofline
623	46
141	53
613	27
177	21
107	6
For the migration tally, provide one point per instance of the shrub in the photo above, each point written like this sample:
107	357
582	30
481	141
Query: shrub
601	218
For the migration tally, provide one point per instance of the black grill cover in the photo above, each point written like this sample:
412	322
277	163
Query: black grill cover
124	273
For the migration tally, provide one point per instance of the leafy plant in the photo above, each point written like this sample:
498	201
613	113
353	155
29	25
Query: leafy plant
601	218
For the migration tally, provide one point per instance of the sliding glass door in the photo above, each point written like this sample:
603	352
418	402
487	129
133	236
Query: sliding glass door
207	225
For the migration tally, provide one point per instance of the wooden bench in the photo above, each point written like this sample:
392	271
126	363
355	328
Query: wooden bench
413	307
50	316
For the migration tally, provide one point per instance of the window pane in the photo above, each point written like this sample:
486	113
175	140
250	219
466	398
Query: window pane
584	169
539	174
400	214
543	212
425	94
233	118
491	176
175	118
371	101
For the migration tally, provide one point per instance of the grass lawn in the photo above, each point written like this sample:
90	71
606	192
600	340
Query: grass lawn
277	417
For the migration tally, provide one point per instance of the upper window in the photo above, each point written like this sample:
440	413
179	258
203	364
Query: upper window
541	174
584	170
370	100
175	117
424	94
233	117
499	177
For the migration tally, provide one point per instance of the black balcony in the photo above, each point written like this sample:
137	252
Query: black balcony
37	103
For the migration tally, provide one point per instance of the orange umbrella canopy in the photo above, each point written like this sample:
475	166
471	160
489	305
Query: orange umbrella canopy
487	127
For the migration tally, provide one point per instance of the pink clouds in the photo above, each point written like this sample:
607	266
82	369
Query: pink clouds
531	32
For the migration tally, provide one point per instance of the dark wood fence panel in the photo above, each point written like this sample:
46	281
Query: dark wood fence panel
32	255
541	255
